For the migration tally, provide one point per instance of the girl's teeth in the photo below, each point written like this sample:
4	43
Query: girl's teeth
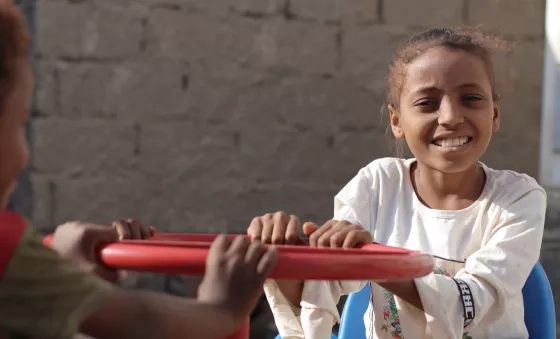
452	142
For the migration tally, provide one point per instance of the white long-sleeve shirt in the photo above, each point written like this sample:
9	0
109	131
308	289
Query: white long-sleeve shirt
483	253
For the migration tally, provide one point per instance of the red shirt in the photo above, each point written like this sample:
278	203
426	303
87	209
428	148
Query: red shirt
11	230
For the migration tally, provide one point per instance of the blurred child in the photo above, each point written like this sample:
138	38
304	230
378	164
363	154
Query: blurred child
44	296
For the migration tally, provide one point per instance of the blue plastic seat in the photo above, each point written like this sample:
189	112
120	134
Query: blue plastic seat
352	317
540	317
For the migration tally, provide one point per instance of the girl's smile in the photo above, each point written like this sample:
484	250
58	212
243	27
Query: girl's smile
452	144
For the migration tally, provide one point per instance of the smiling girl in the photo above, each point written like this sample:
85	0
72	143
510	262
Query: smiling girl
483	226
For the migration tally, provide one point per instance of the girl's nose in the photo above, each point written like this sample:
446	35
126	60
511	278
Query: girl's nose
450	116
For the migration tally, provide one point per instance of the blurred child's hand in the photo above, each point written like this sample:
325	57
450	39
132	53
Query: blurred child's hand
336	234
235	272
275	228
133	230
78	241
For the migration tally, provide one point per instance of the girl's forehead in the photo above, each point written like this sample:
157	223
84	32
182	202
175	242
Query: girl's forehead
446	67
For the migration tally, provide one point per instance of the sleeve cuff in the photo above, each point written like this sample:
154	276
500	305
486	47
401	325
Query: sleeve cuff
286	321
466	297
318	310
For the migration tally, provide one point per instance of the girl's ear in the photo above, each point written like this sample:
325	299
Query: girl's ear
496	117
394	118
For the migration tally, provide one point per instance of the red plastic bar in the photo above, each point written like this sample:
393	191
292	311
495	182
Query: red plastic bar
371	262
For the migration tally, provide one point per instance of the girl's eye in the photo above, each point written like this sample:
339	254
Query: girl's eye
427	105
425	102
471	97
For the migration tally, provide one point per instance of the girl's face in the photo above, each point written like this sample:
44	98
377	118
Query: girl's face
447	113
14	114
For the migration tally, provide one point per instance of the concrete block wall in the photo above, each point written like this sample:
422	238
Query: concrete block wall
195	116
198	115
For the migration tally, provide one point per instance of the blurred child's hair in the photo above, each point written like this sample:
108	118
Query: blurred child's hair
468	39
14	42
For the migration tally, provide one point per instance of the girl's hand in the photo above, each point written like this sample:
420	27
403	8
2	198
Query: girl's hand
336	234
281	228
275	228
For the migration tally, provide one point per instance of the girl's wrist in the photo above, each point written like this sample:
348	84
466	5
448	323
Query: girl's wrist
292	290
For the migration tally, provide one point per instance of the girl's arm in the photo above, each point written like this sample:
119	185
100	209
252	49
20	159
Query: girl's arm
475	296
406	290
314	302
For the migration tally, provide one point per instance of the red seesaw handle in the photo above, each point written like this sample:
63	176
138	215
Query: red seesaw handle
186	254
